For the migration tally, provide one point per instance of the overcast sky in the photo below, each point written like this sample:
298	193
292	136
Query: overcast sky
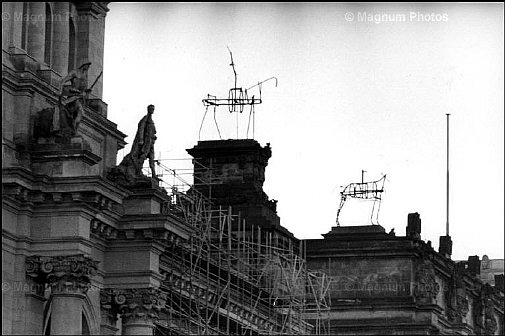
360	87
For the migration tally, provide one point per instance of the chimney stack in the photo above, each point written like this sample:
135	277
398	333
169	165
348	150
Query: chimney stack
474	265
445	246
498	281
414	226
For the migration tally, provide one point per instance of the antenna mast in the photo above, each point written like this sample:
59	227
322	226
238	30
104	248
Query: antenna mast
364	190
447	184
237	99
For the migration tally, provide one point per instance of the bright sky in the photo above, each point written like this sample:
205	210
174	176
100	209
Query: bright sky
360	87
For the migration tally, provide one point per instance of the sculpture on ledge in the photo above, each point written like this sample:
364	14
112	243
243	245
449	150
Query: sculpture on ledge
72	99
130	168
62	121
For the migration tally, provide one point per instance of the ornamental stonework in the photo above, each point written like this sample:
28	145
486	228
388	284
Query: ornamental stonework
133	304
71	273
426	287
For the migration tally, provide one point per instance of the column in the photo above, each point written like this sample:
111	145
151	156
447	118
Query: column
66	313
61	42
138	308
36	30
69	279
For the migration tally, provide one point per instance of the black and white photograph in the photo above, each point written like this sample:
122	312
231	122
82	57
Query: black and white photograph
253	168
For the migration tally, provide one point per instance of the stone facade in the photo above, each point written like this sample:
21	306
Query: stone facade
399	285
71	238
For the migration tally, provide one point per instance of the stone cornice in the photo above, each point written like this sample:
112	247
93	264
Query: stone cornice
26	81
57	152
157	222
23	178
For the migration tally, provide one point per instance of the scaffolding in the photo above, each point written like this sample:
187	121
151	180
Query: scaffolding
231	278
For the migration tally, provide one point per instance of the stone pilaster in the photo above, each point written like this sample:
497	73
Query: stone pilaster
90	40
69	279
60	38
36	30
138	308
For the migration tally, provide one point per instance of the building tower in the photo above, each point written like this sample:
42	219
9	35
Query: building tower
232	173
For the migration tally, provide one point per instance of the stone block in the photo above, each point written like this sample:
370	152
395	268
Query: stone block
98	106
145	201
63	160
50	77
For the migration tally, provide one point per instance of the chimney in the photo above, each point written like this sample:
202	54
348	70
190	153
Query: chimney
414	226
474	265
445	246
498	281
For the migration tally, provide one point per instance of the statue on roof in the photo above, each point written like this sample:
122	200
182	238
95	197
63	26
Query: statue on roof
130	167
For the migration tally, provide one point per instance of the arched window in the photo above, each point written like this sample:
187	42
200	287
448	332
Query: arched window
71	46
49	35
24	25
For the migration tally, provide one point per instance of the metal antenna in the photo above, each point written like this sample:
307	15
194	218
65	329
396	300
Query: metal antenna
237	99
233	66
447	185
363	190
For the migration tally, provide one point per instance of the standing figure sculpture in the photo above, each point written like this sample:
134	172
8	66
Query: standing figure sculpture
72	99
142	147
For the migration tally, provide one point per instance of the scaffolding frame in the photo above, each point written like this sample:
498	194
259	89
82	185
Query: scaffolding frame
230	277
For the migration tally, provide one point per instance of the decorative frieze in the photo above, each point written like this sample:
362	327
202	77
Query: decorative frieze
71	273
426	287
458	306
